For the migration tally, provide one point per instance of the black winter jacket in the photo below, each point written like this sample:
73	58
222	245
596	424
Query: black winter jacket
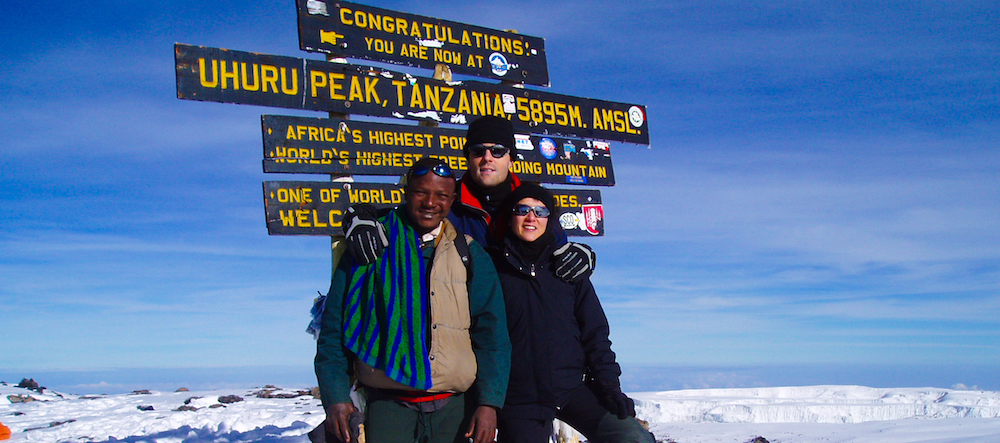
558	333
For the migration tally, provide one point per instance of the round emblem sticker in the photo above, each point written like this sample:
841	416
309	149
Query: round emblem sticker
569	221
548	148
498	63
636	116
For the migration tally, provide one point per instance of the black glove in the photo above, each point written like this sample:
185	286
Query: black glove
574	261
365	235
618	403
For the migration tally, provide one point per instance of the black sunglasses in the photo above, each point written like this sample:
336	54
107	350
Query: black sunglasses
496	151
440	170
540	211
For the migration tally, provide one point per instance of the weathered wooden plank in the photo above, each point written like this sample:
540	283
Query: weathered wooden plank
317	208
220	75
333	146
365	32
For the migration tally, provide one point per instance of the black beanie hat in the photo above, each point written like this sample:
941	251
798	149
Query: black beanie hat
489	129
534	191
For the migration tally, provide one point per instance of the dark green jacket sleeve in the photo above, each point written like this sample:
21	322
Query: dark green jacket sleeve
333	367
489	329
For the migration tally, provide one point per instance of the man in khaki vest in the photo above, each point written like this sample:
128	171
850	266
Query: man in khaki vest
424	332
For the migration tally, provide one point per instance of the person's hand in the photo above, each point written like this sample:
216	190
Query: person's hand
574	261
365	235
483	428
618	403
338	418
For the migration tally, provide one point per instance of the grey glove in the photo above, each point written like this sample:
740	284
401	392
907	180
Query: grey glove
574	261
365	235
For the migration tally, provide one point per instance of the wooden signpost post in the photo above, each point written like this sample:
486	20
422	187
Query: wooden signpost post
561	139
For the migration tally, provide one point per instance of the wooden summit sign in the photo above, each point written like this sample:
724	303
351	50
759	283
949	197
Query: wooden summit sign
560	139
317	208
333	146
220	75
366	32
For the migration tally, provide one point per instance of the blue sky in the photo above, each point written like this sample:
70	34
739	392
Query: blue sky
820	202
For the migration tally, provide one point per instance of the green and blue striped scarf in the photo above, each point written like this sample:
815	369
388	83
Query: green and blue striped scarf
386	310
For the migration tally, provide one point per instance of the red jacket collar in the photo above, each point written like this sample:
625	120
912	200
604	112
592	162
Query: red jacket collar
472	202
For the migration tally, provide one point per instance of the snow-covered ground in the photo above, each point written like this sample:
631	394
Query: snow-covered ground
59	417
822	414
794	414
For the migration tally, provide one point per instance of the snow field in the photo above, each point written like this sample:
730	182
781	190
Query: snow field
814	404
811	414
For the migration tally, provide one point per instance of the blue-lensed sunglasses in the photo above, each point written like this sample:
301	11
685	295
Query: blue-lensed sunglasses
496	151
440	170
540	211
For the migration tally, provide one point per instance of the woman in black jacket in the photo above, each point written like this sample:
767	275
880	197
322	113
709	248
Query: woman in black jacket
562	365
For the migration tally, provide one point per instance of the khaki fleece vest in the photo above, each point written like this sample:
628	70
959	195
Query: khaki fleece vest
453	362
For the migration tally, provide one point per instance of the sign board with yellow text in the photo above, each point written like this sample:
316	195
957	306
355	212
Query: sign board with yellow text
317	208
334	146
365	32
220	75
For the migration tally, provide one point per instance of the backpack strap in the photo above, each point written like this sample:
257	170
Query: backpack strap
462	246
